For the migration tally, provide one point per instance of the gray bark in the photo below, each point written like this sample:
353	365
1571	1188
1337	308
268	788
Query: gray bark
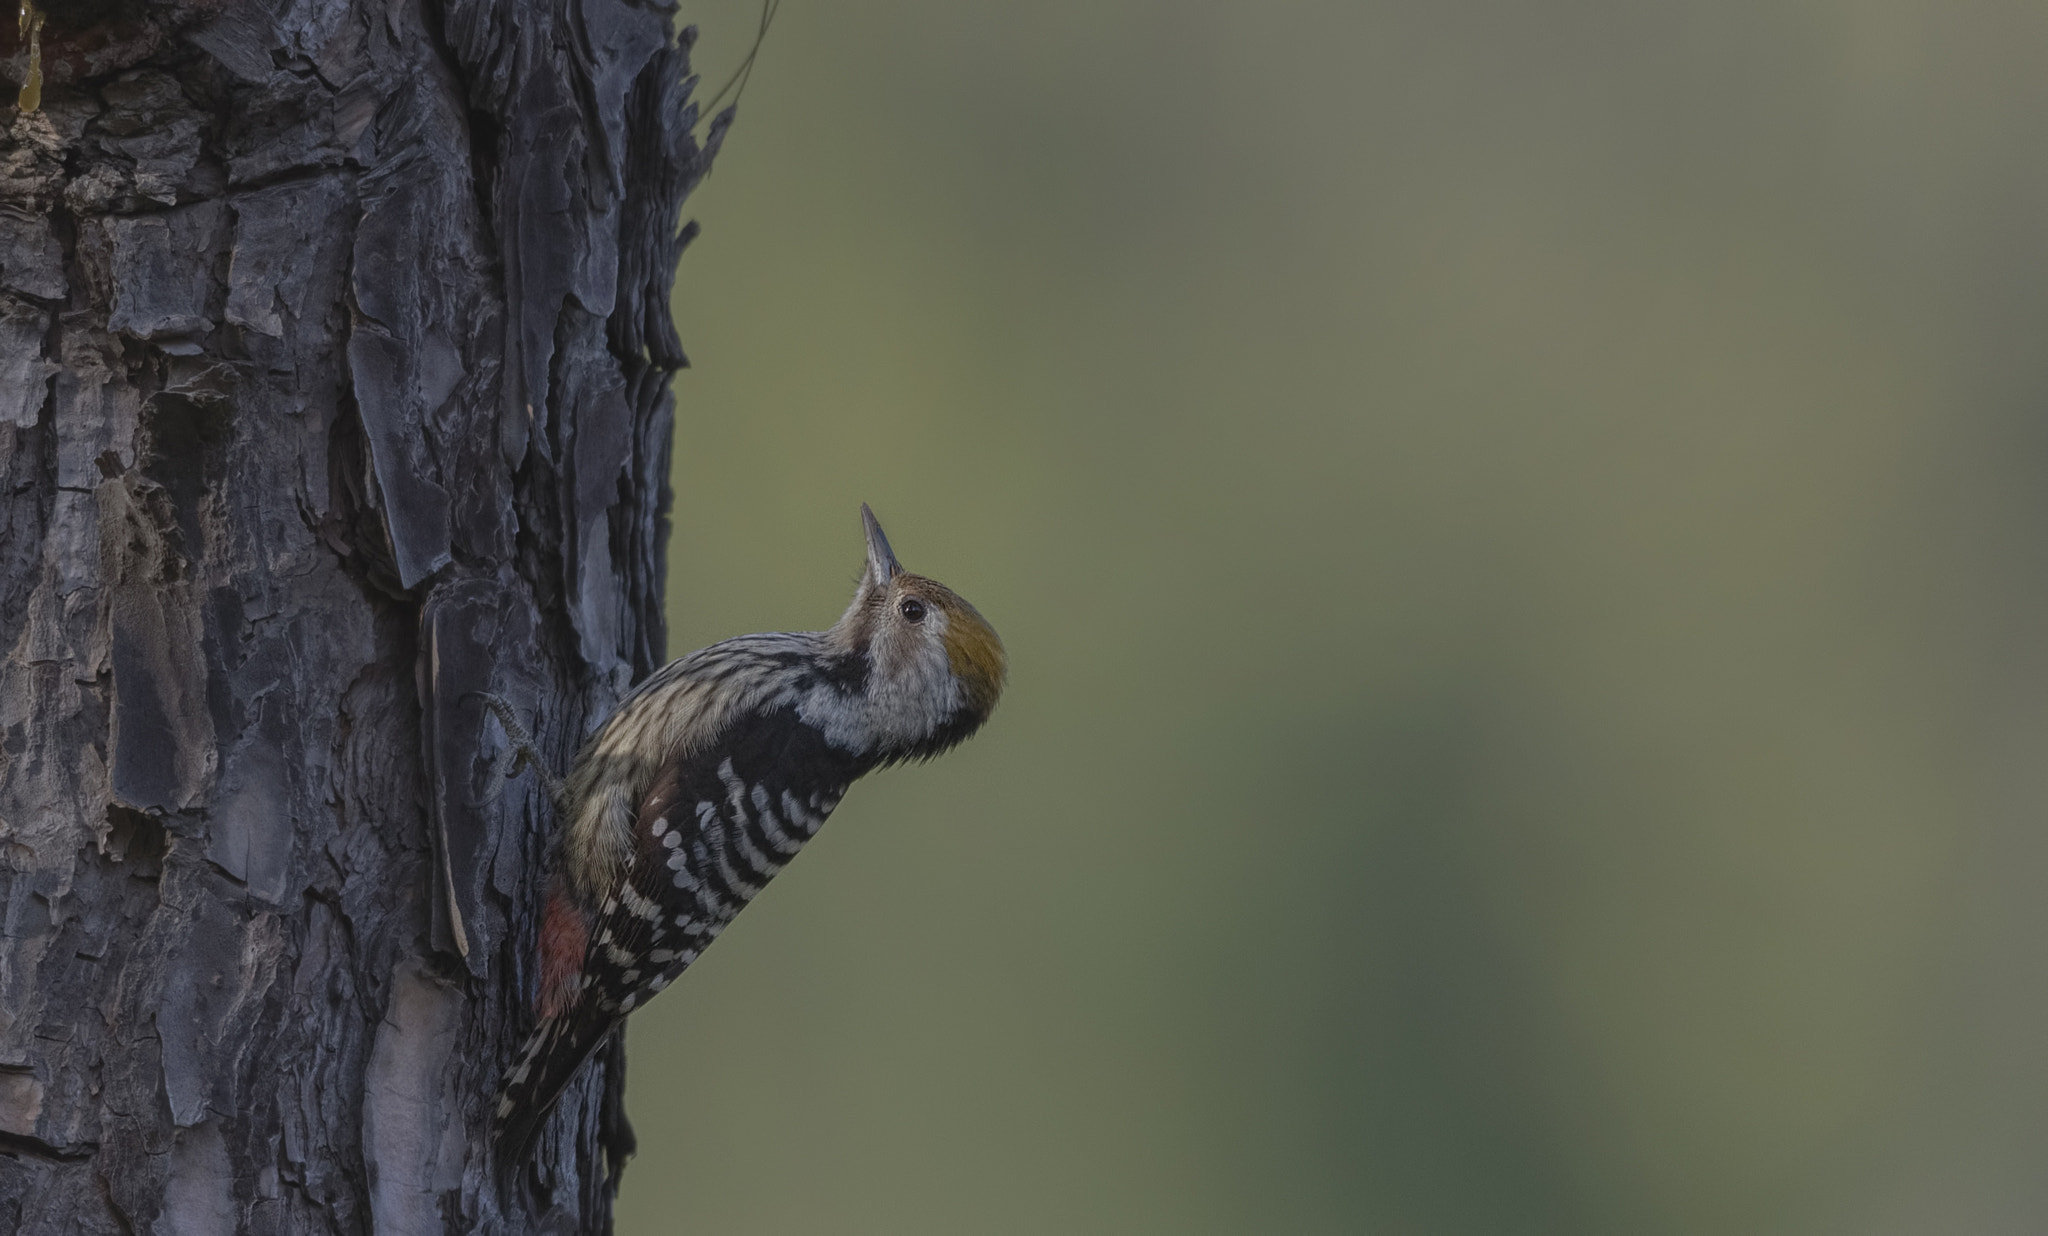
334	359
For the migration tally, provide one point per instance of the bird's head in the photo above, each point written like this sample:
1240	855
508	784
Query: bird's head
933	666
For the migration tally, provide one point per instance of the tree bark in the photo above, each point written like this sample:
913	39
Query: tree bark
334	360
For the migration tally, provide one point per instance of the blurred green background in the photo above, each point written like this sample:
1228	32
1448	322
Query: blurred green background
1521	536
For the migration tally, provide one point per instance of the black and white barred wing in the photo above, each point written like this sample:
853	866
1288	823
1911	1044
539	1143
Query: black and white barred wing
709	835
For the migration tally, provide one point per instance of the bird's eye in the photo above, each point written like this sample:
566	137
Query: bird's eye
912	609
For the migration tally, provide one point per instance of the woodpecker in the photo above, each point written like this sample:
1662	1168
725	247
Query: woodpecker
709	778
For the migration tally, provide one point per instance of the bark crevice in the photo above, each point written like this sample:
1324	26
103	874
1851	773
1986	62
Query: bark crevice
334	358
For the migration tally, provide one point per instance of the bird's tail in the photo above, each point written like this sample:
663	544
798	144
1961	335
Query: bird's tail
547	1063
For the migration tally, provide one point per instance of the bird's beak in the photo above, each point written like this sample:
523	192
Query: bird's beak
882	564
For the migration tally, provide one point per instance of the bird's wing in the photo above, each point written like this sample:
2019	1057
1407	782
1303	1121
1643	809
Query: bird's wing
713	828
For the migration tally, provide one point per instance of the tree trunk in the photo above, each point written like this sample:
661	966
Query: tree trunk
334	359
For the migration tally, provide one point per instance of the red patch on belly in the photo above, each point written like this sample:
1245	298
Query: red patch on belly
564	935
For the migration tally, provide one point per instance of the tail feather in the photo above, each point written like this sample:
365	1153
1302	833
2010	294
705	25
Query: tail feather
552	1056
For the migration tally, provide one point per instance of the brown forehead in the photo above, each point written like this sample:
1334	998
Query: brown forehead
930	591
936	594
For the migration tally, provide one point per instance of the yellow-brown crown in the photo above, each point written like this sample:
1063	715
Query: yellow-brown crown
973	649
